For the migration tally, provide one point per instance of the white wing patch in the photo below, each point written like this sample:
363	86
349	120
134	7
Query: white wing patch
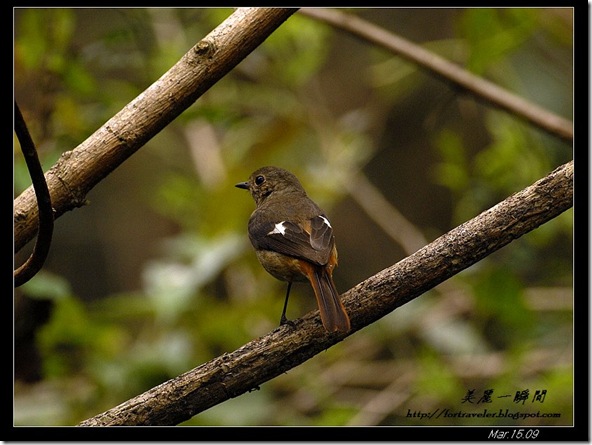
278	228
326	220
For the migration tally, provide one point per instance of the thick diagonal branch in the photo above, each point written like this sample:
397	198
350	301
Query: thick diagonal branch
79	170
235	373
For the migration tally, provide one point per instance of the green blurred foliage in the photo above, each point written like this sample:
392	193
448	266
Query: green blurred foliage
157	276
492	34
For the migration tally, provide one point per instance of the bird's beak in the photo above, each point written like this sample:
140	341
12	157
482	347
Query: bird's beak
242	185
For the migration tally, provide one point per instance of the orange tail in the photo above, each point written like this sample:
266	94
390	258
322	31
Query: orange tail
333	314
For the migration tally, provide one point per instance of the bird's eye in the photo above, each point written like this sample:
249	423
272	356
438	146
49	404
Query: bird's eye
259	180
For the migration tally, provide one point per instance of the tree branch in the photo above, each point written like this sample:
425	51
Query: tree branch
448	71
384	214
235	373
35	261
79	170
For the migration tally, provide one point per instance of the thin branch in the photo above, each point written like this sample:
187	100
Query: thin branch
388	217
79	170
35	261
245	369
448	71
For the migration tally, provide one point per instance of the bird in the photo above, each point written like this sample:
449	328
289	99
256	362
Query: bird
293	240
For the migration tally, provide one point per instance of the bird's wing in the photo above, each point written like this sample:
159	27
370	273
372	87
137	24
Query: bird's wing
311	240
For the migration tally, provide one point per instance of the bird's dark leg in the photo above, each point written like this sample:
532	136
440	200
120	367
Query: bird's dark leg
283	319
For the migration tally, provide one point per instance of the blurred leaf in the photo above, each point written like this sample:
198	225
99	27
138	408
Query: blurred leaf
435	380
79	80
296	52
337	415
513	160
39	44
47	285
500	297
492	33
453	170
171	284
64	339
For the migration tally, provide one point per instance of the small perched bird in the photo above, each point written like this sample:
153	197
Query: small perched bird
294	241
